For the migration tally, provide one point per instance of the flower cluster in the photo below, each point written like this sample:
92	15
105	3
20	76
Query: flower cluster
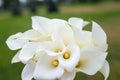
56	49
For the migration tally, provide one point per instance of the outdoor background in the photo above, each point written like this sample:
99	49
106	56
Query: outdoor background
105	12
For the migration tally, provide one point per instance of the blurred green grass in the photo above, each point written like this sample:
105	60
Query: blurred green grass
106	14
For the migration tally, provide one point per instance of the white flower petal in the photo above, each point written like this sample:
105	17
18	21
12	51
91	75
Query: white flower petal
70	63
105	70
99	36
86	38
65	33
76	22
31	35
83	38
45	70
14	42
68	76
16	59
91	60
41	24
27	52
27	73
57	23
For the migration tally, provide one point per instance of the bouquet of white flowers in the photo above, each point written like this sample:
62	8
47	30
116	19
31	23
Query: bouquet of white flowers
56	49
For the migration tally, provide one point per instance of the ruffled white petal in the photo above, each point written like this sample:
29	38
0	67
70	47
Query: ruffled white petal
27	52
91	60
45	70
105	70
99	36
27	73
68	75
14	42
31	35
16	59
70	63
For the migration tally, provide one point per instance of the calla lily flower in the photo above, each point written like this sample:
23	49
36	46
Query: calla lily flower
70	57
96	37
91	60
56	49
48	68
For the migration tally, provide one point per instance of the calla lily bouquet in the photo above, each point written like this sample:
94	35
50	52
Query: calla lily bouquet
56	49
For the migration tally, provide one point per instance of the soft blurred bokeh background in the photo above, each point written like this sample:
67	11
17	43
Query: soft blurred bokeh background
15	16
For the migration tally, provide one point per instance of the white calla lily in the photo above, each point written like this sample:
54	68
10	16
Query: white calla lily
49	27
48	68
91	60
70	57
45	25
96	38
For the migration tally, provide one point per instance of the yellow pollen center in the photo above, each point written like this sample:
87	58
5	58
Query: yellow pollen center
48	38
35	60
78	65
55	63
66	55
58	50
